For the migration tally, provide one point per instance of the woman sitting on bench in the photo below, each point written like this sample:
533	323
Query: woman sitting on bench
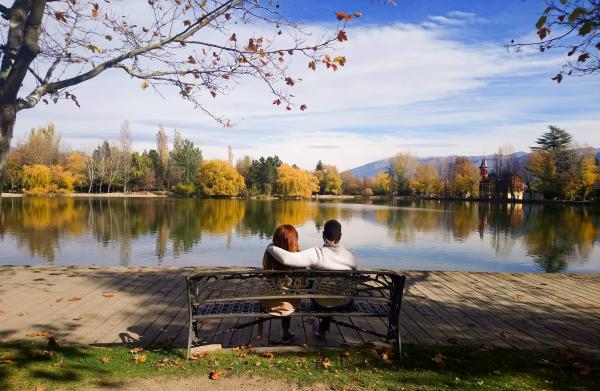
285	237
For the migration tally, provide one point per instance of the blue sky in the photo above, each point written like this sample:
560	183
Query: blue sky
429	77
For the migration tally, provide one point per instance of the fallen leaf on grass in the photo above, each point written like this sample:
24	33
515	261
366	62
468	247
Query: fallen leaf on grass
198	356
140	358
439	360
75	298
258	363
216	375
385	356
325	362
136	350
507	335
268	354
105	360
496	372
6	361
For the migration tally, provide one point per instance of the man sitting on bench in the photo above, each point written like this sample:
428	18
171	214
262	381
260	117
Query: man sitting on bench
331	256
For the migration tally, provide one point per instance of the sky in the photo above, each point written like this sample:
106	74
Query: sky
428	77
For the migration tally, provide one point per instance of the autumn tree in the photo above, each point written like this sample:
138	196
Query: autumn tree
589	174
200	48
573	27
351	184
426	180
330	181
295	182
383	183
464	177
243	166
36	178
401	171
219	178
126	151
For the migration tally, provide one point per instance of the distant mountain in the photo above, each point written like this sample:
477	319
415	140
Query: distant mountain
372	169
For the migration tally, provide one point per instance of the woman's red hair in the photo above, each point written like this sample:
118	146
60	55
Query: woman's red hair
285	237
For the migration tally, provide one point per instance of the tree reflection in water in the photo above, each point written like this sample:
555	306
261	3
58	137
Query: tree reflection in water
553	236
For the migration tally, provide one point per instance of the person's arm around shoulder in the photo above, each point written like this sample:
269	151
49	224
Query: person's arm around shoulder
306	258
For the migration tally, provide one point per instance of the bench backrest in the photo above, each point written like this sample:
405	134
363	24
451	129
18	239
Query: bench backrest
260	284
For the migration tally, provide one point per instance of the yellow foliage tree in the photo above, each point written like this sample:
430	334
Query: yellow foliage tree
383	183
294	182
589	174
36	179
220	178
61	181
75	164
426	180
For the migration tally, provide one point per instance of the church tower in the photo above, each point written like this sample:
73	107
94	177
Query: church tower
484	180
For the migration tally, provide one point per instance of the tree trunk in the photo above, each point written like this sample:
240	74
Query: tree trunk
7	124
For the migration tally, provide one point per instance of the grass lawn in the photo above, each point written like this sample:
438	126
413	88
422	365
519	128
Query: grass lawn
29	365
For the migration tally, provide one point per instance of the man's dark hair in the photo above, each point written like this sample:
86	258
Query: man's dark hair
332	231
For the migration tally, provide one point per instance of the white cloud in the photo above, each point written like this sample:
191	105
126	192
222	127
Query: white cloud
405	86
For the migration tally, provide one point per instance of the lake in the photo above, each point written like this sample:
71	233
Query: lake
412	235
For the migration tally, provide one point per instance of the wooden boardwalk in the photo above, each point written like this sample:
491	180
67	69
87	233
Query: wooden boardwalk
99	306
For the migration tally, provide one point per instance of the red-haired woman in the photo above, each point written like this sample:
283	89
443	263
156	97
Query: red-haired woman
285	237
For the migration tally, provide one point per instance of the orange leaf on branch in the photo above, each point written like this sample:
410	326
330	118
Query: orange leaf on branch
312	65
342	16
277	102
303	107
60	16
583	57
233	38
289	81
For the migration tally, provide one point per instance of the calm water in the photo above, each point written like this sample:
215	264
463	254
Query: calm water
423	235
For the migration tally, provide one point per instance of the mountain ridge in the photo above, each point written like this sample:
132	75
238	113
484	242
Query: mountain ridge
373	168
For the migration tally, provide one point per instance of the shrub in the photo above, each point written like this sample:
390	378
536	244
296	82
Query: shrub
186	189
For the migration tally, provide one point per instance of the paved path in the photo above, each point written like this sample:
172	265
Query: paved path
148	305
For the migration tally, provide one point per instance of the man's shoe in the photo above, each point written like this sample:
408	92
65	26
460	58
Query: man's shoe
289	338
318	333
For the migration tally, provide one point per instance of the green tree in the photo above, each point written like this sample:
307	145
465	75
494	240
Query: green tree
220	178
263	174
187	158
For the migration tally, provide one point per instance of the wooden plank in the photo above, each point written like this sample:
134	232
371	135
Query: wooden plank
455	321
518	315
137	308
547	315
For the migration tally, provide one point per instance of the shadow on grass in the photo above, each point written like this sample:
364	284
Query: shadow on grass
422	367
40	363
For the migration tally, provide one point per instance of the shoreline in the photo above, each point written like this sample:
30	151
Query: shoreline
343	197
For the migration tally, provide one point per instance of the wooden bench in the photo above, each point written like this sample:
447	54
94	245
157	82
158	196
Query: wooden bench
238	295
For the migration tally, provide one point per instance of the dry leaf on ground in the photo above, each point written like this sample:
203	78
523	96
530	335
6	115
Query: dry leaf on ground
108	295
136	350
59	299
77	318
75	298
140	358
439	360
6	361
105	360
216	375
325	362
268	354
198	356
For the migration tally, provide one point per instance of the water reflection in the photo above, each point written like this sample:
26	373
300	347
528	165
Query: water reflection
550	239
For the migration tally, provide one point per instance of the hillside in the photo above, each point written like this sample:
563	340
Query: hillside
371	169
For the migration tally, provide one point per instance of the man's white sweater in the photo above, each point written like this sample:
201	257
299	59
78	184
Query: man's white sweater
331	256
